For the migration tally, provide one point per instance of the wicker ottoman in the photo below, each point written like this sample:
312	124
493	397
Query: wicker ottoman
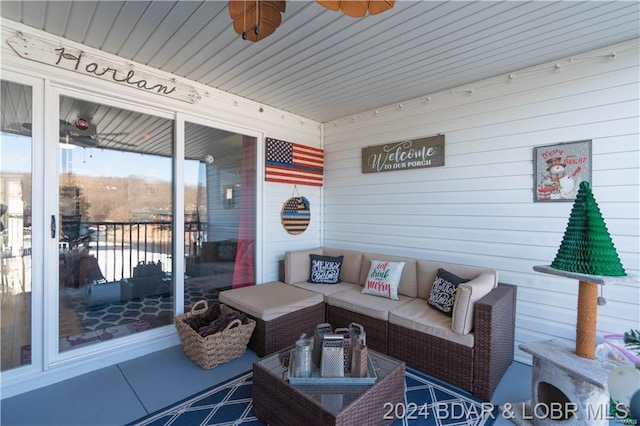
282	313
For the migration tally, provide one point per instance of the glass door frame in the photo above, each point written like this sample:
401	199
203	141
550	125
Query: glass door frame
38	230
52	355
181	118
45	269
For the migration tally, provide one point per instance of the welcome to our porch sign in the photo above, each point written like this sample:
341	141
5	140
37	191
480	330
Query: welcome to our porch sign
404	155
120	72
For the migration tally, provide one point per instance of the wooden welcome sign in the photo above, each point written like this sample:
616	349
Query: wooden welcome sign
403	155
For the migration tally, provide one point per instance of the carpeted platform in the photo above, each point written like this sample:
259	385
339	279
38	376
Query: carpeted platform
230	403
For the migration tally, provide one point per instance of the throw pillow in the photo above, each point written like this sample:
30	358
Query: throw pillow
325	269
443	292
383	279
466	297
227	251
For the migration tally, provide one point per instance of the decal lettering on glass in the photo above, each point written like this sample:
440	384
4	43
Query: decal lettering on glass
76	60
407	154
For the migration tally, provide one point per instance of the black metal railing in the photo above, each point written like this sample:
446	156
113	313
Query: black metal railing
121	246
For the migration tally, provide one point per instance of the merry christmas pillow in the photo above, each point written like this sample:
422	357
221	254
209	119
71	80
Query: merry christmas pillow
325	269
383	279
443	292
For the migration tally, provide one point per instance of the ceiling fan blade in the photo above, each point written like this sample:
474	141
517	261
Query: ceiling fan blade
330	4
252	27
380	6
113	133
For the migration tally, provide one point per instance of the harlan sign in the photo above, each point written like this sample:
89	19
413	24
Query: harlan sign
403	155
123	73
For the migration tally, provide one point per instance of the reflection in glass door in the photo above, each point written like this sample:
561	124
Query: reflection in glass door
219	194
115	220
15	224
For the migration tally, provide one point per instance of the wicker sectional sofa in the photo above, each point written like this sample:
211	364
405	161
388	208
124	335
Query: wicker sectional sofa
472	349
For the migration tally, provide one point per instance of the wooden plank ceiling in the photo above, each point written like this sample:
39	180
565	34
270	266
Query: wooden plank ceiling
324	65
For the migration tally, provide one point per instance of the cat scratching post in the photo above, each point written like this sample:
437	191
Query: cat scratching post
587	305
588	255
586	323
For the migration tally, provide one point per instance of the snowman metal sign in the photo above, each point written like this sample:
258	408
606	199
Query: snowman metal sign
559	169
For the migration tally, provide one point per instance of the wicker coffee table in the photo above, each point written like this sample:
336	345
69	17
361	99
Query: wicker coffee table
276	402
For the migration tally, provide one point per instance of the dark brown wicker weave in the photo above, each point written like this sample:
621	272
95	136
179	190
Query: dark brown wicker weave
477	369
278	333
493	349
376	329
438	357
275	402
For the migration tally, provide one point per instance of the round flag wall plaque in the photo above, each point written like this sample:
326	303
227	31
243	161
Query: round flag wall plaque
296	215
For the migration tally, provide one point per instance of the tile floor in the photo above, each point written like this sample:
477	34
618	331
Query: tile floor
125	392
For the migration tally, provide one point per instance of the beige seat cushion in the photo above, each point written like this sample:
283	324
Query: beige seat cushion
374	306
466	296
326	289
419	316
270	300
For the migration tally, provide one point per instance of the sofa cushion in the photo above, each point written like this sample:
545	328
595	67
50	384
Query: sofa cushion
466	297
428	269
419	316
350	271
325	269
443	291
219	251
383	279
297	265
270	300
353	300
326	289
408	282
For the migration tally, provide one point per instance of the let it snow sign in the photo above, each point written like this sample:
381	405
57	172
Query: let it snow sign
403	155
68	58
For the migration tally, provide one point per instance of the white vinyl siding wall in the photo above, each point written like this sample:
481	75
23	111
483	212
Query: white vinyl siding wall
478	209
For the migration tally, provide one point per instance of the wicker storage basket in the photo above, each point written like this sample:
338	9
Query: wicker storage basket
218	348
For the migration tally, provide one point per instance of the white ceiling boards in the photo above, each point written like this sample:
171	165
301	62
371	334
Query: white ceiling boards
324	65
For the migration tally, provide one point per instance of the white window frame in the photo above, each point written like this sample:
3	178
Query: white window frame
38	229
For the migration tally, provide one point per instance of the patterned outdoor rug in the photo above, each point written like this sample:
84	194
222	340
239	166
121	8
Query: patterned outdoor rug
155	310
230	404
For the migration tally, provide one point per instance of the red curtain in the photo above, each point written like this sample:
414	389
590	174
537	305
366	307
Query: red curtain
244	269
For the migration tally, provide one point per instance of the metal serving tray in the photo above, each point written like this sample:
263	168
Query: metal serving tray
315	378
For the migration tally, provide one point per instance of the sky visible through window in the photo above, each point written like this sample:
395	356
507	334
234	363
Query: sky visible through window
15	157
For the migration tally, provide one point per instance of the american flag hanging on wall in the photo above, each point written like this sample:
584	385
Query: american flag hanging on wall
288	162
296	215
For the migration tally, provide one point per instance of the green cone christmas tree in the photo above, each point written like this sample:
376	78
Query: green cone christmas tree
586	247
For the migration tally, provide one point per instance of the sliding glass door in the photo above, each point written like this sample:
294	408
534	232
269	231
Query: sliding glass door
94	193
219	198
115	218
16	208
